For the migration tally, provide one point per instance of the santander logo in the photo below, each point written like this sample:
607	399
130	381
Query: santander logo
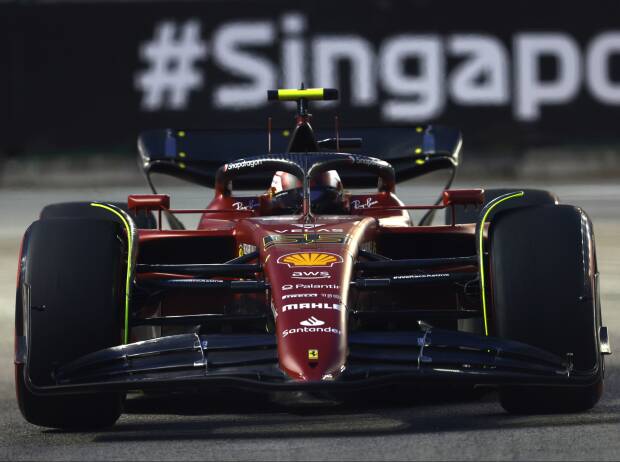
312	322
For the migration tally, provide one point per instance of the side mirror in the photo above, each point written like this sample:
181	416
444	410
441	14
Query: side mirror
137	202
453	197
463	197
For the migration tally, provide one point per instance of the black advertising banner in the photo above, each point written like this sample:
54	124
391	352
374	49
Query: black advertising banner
90	76
5	73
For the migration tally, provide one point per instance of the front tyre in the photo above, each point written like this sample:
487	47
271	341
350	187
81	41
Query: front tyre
543	277
68	305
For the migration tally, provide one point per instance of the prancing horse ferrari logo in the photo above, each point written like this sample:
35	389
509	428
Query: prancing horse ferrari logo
313	355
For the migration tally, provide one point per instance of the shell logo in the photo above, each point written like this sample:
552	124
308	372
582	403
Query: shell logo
298	259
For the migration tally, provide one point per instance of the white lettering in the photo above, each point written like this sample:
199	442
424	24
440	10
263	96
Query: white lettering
328	51
309	306
244	164
299	230
531	91
357	204
306	225
284	297
483	77
422	276
228	41
293	50
418	97
598	79
305	330
317	286
311	275
410	69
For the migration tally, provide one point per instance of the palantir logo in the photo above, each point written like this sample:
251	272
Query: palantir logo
171	74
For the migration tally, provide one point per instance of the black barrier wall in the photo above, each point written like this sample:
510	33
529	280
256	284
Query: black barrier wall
90	76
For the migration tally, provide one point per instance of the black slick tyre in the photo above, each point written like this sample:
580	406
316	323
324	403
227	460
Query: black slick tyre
470	214
143	220
70	296
544	293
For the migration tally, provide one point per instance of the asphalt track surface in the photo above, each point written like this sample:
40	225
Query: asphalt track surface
236	426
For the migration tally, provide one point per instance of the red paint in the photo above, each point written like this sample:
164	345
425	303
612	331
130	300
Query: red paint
463	197
148	202
226	229
310	300
308	262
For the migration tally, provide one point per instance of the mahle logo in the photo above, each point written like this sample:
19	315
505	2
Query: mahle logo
310	259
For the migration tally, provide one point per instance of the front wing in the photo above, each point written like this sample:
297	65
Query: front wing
375	359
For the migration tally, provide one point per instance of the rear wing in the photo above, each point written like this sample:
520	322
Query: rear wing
196	155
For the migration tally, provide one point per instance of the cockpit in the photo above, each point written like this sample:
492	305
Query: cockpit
304	170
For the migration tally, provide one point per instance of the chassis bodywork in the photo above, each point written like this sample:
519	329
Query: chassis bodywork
306	301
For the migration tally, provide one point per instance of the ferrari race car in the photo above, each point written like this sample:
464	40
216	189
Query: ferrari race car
305	285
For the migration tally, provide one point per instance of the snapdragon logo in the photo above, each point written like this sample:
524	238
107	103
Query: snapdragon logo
488	72
243	164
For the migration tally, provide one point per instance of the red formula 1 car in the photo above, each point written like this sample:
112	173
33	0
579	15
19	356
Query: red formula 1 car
306	286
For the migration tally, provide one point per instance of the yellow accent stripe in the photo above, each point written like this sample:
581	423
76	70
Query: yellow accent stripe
293	95
129	253
481	253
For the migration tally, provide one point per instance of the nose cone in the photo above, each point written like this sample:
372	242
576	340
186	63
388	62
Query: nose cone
309	296
312	345
309	268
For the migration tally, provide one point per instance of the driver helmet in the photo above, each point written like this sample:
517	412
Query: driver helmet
326	193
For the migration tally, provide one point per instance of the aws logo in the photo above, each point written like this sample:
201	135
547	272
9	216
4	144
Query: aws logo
310	259
311	275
